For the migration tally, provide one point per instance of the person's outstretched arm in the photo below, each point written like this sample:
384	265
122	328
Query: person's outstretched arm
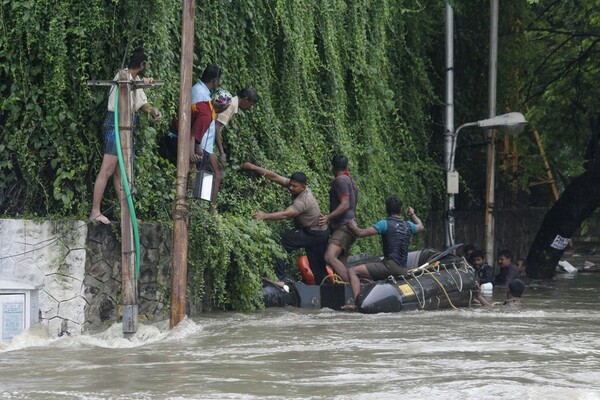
482	300
270	175
289	212
359	232
153	111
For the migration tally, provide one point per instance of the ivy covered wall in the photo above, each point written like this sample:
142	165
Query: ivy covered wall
334	76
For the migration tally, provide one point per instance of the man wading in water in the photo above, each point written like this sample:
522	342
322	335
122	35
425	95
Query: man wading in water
514	292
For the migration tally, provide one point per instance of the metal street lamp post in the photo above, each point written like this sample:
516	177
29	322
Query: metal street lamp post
511	123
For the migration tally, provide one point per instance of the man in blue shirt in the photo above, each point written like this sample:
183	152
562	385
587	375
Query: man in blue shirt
209	82
395	237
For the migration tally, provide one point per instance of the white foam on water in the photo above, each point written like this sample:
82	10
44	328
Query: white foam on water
36	336
146	334
112	338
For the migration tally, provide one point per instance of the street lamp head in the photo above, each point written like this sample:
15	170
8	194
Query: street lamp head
511	123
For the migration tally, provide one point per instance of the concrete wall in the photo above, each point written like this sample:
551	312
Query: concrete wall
50	256
77	269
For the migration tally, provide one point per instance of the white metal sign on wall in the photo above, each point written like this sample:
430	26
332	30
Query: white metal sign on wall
12	315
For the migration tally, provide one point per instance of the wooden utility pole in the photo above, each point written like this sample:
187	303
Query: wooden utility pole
129	282
181	209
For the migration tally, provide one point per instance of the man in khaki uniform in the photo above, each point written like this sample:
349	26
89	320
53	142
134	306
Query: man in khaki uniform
305	212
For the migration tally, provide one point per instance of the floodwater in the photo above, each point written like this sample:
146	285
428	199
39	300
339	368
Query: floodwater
548	349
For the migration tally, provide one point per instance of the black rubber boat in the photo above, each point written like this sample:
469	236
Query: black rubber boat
437	280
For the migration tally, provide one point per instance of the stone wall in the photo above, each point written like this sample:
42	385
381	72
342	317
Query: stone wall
77	268
103	274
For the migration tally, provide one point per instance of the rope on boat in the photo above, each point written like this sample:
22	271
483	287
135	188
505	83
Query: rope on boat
443	289
435	269
460	277
451	276
336	279
422	305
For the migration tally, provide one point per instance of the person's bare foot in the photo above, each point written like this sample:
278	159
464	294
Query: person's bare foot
100	218
349	308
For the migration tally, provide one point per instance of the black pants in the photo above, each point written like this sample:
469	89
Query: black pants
314	243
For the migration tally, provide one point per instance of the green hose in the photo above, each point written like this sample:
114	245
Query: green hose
134	224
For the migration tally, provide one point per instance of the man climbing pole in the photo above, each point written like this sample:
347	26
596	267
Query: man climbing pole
137	66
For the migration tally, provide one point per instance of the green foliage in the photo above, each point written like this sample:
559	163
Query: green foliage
51	142
563	91
547	69
237	252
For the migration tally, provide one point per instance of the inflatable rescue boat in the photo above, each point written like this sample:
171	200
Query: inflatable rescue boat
436	280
